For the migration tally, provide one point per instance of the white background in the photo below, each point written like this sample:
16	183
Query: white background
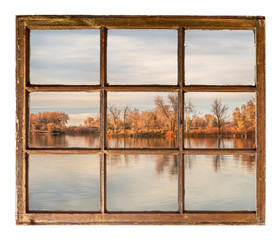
144	7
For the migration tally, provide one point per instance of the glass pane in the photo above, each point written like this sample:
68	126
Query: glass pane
220	120
142	182
142	119
142	57
220	182
220	57
64	182
64	56
67	119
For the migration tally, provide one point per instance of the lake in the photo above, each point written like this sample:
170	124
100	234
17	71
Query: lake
92	141
141	182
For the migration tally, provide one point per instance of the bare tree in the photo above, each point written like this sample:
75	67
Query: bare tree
191	114
126	111
169	111
115	115
220	113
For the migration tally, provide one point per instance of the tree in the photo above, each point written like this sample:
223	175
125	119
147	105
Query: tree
244	119
89	122
170	112
191	114
49	121
173	100
115	116
210	120
220	113
126	111
134	117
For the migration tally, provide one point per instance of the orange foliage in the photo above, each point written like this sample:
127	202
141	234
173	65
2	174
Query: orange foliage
48	121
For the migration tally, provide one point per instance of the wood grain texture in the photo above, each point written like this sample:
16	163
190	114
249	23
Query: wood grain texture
139	88
180	23
158	151
161	22
261	120
140	218
181	187
20	120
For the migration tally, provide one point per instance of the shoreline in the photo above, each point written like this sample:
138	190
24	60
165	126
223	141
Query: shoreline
151	135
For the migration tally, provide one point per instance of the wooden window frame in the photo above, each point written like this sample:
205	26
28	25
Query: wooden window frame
23	87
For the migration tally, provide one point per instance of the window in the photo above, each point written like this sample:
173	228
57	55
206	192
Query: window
148	120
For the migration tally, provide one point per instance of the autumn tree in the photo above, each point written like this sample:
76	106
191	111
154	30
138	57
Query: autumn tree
115	116
48	121
169	111
126	111
89	122
173	101
133	118
220	113
191	114
244	118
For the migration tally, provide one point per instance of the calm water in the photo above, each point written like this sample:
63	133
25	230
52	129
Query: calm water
92	141
64	182
141	182
220	182
212	142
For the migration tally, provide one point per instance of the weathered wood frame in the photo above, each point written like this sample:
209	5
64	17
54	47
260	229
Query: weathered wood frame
23	87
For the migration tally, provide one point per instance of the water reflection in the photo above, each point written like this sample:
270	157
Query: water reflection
63	140
92	141
142	182
138	142
211	142
64	182
220	182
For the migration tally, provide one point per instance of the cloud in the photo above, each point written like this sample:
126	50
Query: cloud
64	100
219	57
142	100
203	100
142	57
65	56
77	119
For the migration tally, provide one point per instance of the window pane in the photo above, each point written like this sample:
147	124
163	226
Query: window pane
142	119
64	56
142	182
142	57
220	57
64	182
220	182
64	119
220	120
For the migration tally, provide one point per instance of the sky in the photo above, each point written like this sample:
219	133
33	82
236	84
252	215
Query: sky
203	101
137	57
140	100
219	57
79	105
65	56
142	57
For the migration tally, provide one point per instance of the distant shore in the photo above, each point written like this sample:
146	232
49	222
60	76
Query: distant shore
147	134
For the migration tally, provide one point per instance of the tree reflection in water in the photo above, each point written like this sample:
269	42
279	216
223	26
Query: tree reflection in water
138	142
162	162
221	142
219	162
220	182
